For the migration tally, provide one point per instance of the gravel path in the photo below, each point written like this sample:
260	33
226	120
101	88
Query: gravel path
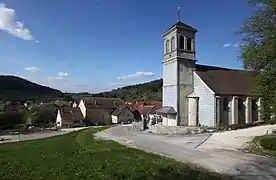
235	163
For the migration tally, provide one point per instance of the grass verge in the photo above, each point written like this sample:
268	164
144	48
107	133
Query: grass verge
78	156
262	145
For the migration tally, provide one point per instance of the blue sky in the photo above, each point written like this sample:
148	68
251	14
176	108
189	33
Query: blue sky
97	45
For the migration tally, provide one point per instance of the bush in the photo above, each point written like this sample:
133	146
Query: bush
9	120
268	142
43	117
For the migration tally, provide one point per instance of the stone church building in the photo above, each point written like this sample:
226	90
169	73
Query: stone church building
200	95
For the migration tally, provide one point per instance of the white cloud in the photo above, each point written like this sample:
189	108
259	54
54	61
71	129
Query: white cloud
230	45
32	69
9	24
60	76
137	75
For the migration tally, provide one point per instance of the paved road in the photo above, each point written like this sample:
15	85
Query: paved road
37	135
235	163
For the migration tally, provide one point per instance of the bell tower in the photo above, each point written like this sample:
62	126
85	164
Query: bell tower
178	66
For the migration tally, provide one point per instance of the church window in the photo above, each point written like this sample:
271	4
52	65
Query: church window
181	42
167	46
172	44
225	104
189	44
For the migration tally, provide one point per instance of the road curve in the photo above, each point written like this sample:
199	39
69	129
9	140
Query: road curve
234	163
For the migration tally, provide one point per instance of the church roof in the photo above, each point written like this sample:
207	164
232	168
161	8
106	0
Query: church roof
226	81
182	25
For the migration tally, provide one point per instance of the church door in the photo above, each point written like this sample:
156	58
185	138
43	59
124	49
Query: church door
193	111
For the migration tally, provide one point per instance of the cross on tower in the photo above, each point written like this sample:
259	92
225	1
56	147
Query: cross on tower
178	14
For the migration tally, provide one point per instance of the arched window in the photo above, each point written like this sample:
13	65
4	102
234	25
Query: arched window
189	44
172	44
167	46
225	104
181	42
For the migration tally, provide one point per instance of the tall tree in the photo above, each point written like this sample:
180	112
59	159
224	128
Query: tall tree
258	53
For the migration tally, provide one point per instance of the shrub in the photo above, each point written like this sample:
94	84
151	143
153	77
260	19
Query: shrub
9	120
268	142
43	117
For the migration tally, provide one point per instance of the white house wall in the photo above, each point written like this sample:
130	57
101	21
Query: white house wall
114	119
206	104
82	108
59	120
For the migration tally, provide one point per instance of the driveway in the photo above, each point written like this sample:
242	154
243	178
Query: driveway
231	162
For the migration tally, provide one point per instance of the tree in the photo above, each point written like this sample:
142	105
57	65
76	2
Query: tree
258	53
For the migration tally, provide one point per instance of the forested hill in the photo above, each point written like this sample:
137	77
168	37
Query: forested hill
146	92
16	88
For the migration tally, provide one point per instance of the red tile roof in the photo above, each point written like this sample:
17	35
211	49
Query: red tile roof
143	110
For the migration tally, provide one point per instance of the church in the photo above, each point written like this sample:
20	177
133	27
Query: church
200	95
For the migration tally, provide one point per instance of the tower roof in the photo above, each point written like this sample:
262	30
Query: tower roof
181	25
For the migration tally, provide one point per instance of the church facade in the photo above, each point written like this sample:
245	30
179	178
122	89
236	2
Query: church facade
201	95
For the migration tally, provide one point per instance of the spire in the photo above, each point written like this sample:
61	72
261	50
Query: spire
178	14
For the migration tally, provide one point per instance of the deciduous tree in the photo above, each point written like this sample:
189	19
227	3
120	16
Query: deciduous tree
258	53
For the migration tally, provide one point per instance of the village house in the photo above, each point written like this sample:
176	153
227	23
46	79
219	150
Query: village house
153	115
148	111
96	109
201	95
122	115
69	117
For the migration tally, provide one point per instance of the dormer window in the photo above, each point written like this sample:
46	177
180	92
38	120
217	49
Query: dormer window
181	42
167	46
189	44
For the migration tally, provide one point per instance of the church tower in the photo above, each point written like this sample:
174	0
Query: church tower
178	66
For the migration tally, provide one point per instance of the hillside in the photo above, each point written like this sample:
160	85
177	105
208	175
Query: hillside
146	92
15	88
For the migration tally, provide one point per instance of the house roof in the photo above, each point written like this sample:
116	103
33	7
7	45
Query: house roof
157	105
226	81
119	110
62	103
143	110
104	103
166	110
181	25
70	114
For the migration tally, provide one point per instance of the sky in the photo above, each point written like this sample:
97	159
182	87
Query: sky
99	45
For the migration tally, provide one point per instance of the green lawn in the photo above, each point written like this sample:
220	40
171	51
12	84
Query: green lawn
79	156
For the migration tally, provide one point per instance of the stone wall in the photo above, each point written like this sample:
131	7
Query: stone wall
173	130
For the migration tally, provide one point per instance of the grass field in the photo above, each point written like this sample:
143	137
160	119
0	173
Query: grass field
78	156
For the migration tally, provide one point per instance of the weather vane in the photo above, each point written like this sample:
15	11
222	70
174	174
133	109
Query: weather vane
178	14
